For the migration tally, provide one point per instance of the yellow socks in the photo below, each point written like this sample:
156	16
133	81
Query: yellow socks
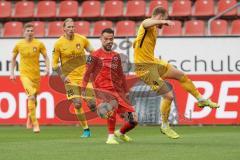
165	109
81	117
189	87
32	111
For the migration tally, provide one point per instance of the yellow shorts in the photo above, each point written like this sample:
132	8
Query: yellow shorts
31	86
151	73
73	90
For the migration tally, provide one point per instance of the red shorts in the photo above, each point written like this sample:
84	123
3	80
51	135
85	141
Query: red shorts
124	105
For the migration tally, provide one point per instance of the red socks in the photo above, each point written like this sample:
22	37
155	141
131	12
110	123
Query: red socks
111	123
127	127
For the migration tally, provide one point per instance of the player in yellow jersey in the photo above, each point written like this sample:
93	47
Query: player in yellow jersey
153	71
70	50
29	49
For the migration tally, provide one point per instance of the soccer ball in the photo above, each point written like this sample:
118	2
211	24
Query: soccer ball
105	110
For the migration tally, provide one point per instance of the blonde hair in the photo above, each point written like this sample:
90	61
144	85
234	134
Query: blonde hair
67	20
27	25
159	10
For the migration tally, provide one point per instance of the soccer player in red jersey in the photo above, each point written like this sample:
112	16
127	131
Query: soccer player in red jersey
105	69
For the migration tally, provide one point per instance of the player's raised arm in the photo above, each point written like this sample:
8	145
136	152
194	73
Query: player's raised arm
159	18
46	59
13	63
153	22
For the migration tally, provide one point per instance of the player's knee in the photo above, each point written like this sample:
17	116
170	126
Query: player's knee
163	89
169	96
77	103
92	105
32	98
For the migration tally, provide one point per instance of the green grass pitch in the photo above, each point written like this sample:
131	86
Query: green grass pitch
63	143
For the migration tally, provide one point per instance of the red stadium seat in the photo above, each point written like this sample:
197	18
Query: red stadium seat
82	27
39	28
194	28
100	25
225	4
175	30
219	27
46	9
113	8
204	8
55	29
154	3
181	8
125	28
24	9
13	29
91	9
235	27
68	8
136	8
5	9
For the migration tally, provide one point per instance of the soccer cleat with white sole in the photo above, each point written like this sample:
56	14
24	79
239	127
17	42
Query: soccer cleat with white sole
111	140
168	131
207	102
123	137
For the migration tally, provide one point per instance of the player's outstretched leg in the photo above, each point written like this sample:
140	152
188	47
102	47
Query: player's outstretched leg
188	85
111	122
131	122
165	110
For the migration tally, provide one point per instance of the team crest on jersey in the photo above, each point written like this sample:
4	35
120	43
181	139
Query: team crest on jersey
78	46
34	49
115	58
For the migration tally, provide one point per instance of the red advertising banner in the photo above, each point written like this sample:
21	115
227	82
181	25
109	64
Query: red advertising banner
223	89
53	108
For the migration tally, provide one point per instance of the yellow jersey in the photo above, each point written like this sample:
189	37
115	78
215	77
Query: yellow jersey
144	45
71	54
29	57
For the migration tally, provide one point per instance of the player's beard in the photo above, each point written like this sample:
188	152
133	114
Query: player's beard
107	47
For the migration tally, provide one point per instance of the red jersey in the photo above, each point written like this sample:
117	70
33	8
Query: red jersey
106	72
